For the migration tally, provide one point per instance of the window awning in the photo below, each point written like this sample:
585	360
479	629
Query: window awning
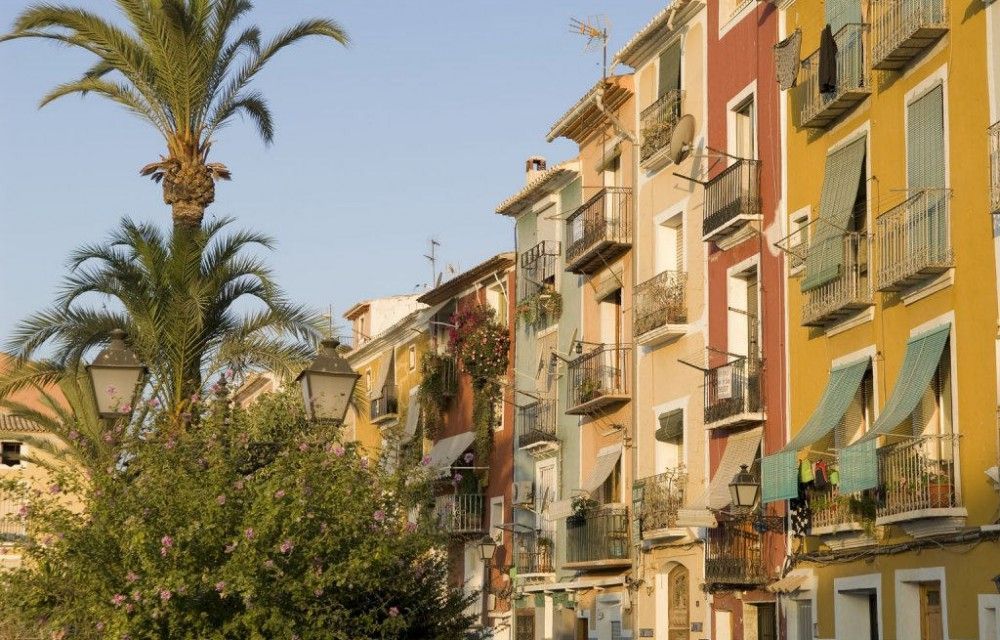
610	153
446	451
603	466
741	448
858	463
412	416
671	426
789	584
609	284
841	180
559	509
385	364
779	471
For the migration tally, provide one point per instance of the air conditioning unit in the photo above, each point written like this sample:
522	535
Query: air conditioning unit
524	492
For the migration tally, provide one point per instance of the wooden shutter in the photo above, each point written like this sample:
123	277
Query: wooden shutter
925	141
842	12
670	70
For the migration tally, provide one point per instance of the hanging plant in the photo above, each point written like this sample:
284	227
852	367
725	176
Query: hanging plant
546	303
437	385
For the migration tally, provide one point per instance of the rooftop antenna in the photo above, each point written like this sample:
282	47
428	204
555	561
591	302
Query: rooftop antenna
432	257
595	29
328	316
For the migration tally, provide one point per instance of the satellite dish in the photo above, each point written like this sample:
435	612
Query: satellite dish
681	138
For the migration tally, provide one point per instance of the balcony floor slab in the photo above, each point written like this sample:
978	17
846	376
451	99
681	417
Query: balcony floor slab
662	335
595	404
598	565
921	523
738	420
909	48
835	108
599	255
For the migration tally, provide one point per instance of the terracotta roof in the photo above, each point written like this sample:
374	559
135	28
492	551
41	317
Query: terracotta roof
581	118
453	287
542	185
627	54
9	423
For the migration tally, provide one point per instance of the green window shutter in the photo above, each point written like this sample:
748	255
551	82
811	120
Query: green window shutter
842	12
858	468
779	476
671	427
925	151
670	70
841	179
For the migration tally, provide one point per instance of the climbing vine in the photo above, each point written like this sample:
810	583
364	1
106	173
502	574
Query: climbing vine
546	303
438	384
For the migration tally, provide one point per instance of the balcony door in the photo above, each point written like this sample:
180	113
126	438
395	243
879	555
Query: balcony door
673	615
670	245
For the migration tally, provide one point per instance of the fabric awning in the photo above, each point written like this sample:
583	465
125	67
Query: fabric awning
841	180
671	426
789	584
607	458
446	451
412	415
385	364
779	479
559	509
741	448
609	284
611	153
858	463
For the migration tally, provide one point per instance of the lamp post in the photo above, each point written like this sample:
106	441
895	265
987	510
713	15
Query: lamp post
487	548
328	384
115	372
744	488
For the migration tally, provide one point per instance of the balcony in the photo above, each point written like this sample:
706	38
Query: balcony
734	555
732	199
818	109
662	496
994	137
385	407
846	295
732	394
13	525
902	29
599	231
537	427
538	266
598	379
598	539
533	553
461	514
657	123
831	513
661	308
919	482
914	241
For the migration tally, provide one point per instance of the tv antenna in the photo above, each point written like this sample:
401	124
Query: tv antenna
595	30
432	258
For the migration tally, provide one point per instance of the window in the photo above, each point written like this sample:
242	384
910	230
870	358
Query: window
670	245
668	453
803	620
859	415
498	414
368	381
496	519
670	70
360	332
545	490
610	491
744	132
496	298
925	146
412	357
10	454
743	313
610	309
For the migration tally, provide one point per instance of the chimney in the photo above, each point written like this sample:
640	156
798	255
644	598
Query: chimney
532	167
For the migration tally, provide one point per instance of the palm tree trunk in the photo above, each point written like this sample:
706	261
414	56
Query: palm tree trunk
187	215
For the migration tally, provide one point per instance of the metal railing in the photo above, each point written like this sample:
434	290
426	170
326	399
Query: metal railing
918	474
848	292
462	513
662	496
605	218
657	122
994	137
732	389
732	194
901	28
829	509
13	522
599	373
914	240
599	535
660	301
537	423
538	266
734	554
534	551
852	78
385	405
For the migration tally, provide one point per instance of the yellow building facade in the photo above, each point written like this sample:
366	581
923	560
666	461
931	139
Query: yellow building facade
891	323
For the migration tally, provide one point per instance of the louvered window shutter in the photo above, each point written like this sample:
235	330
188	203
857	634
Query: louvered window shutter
753	346
925	142
842	12
670	70
680	246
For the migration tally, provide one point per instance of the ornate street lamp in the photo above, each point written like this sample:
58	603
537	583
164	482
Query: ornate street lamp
744	488
328	384
487	548
115	375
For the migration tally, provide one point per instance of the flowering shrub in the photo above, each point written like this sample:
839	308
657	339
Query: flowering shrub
481	343
185	542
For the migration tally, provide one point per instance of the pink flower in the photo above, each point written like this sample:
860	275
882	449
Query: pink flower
221	499
339	451
220	586
166	542
411	527
379	516
54	489
23	511
99	626
165	594
126	408
215	388
426	460
286	546
457	478
229	374
111	390
131	577
238	485
107	437
393	612
231	547
118	600
195	397
129	608
269	563
279	494
137	596
74	435
318	592
170	444
154	403
248	533
469	457
364	463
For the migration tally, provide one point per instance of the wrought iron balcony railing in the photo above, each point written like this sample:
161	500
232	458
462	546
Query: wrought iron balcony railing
734	555
537	424
599	378
831	512
917	475
386	406
657	123
533	552
462	514
819	107
732	393
13	524
914	241
901	29
849	292
994	137
538	267
599	231
601	536
732	198
662	496
661	301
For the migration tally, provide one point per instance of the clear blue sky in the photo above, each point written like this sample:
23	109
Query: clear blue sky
418	129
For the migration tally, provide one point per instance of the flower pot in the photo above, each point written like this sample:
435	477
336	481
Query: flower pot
939	495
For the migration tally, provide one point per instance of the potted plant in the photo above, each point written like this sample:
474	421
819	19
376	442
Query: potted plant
589	388
938	489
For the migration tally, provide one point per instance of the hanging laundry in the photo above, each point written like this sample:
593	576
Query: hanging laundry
827	61
805	472
820	475
787	58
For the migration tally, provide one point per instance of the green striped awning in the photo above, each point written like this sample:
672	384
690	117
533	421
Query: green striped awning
858	464
841	180
779	471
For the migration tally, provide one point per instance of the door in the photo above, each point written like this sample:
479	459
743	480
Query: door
767	622
581	629
723	625
931	624
679	597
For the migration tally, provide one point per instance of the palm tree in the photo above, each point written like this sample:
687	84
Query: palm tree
182	67
191	309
